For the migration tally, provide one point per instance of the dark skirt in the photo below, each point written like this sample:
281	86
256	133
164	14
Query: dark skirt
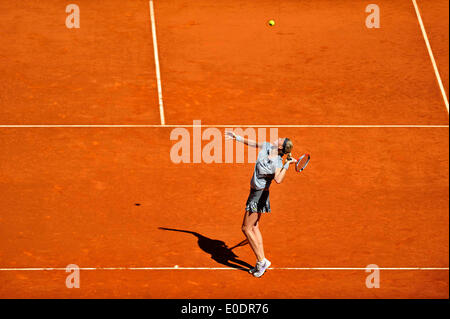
258	201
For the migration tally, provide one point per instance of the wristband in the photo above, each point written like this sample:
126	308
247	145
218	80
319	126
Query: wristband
239	138
286	166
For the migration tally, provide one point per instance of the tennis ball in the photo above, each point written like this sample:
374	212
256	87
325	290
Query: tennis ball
271	22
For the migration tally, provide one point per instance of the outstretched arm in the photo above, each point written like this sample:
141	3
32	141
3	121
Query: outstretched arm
246	141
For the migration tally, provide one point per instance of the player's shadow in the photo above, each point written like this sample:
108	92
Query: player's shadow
218	250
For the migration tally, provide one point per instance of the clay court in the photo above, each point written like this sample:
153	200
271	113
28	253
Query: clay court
86	176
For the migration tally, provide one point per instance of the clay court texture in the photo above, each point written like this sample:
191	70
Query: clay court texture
86	176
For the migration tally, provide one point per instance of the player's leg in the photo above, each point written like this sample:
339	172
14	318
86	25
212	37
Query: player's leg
250	220
259	239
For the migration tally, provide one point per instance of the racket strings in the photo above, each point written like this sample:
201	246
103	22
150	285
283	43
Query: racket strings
302	162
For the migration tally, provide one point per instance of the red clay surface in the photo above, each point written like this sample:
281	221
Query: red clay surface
102	73
369	196
319	65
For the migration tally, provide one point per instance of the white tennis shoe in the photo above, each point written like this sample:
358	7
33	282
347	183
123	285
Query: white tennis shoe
255	269
260	268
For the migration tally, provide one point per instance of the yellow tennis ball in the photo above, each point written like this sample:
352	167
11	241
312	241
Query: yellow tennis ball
271	22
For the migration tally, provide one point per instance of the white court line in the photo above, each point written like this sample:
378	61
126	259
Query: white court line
158	73
218	126
430	52
226	268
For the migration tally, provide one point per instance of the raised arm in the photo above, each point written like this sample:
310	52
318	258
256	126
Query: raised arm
246	141
280	172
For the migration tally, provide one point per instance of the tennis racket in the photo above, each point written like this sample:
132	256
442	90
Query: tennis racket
302	162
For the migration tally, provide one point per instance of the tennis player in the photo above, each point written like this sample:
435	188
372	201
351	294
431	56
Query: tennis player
269	166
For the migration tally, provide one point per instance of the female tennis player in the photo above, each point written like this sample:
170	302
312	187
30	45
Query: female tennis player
269	166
